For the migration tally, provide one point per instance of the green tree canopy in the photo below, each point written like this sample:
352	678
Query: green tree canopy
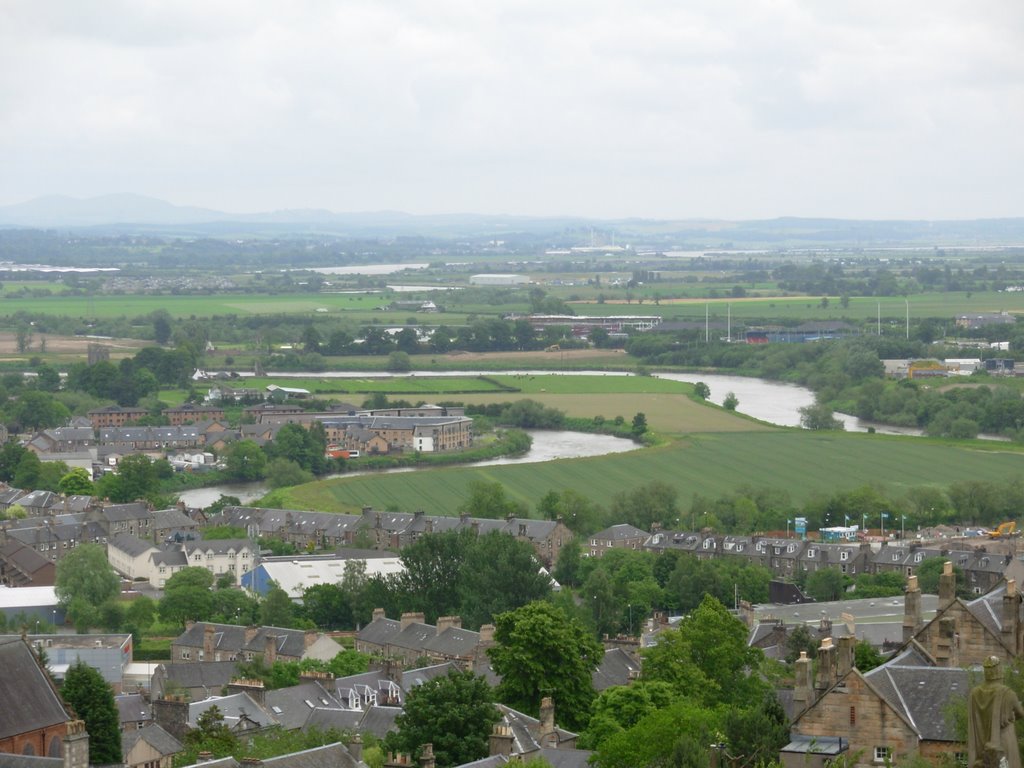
455	713
541	652
93	700
246	461
77	482
85	573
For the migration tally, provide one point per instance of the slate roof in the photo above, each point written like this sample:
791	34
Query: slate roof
413	677
620	532
379	721
132	546
155	736
117	513
25	559
454	641
616	668
132	708
233	708
292	705
379	632
172	518
212	675
173	556
231	638
922	694
327	718
524	729
29	761
24	682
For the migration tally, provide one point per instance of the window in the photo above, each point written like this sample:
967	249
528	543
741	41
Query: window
882	754
844	555
810	554
918	557
853	715
186	654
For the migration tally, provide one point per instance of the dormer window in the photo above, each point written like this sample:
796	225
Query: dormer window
707	543
918	557
844	555
791	548
895	556
810	554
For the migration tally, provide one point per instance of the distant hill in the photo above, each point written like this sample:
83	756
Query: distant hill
130	213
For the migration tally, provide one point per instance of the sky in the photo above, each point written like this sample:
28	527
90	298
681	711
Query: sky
673	109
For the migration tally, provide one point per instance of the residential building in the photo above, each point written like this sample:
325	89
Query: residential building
206	641
115	416
189	414
149	747
22	566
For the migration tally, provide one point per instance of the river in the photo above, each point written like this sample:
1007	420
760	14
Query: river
547	445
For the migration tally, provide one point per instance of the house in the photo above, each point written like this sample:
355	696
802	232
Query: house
115	416
149	747
895	712
134	519
220	556
193	680
966	633
40	724
151	439
134	711
411	638
188	413
206	641
22	566
62	440
335	755
173	524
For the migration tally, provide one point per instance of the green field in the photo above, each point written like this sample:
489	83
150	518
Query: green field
801	463
808	308
411	386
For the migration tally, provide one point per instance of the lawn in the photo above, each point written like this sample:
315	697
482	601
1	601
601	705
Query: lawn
411	386
799	462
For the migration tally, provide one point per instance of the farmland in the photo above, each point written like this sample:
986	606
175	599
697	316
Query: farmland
802	463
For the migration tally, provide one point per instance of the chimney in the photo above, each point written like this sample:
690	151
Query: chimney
254	688
355	748
310	637
487	634
427	756
208	642
546	735
443	622
250	633
269	649
501	740
171	714
204	757
845	656
803	689
947	585
911	609
411	618
389	666
76	745
826	664
379	613
1011	601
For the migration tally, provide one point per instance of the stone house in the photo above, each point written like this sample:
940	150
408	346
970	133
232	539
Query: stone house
206	641
622	536
966	633
115	416
411	639
149	747
190	414
893	713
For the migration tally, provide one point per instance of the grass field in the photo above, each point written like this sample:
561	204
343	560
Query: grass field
423	386
801	463
808	309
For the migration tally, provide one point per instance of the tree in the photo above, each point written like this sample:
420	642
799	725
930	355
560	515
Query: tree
282	472
825	585
639	425
702	390
187	595
707	659
246	461
327	606
136	478
85	573
487	498
540	652
10	457
276	609
161	326
819	416
212	734
928	573
731	401
77	482
29	470
865	656
499	574
455	713
92	699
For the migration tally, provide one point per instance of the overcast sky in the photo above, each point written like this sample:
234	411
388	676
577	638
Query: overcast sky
673	109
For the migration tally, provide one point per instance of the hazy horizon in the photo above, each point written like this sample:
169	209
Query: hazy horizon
703	110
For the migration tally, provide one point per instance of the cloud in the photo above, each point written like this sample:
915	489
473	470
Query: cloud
729	109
